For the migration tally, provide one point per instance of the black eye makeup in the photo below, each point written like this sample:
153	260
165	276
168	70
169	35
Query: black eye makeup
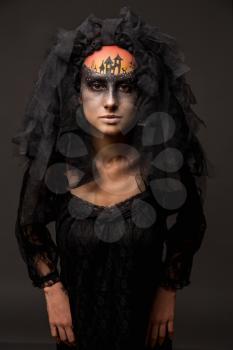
96	84
125	85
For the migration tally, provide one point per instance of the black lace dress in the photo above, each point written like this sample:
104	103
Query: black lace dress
112	259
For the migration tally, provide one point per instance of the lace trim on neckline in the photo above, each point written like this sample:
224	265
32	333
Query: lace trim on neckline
120	204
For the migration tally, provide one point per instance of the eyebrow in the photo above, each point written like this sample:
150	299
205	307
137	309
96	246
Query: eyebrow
106	78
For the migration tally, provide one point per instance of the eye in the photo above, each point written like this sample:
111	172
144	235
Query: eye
125	87
96	85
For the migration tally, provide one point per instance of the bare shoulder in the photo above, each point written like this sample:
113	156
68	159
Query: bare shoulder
85	191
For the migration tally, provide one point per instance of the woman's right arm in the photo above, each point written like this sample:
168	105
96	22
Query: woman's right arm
40	254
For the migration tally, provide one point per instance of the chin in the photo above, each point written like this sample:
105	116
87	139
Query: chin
111	130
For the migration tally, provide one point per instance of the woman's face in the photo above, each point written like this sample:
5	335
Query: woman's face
108	90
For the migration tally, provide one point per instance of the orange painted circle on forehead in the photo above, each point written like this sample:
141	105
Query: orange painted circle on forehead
111	59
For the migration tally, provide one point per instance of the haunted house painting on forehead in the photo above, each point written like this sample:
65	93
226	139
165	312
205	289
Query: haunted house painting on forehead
110	60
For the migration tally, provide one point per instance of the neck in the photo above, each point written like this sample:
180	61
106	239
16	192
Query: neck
109	147
115	157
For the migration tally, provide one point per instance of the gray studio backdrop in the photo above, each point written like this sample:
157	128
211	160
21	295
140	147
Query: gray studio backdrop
204	30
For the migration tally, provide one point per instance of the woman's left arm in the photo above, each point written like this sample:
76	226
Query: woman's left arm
182	241
184	238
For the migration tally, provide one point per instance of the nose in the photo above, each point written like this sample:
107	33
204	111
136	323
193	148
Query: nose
110	102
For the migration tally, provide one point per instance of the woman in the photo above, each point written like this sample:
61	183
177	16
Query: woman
114	161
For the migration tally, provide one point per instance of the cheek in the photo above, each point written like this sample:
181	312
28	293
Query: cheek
90	104
128	104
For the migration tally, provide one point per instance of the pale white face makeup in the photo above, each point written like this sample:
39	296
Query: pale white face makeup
109	100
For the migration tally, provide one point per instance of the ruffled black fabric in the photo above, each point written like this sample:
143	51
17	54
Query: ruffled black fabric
184	238
37	247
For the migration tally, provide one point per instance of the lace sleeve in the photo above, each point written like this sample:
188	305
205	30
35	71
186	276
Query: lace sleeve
184	238
36	245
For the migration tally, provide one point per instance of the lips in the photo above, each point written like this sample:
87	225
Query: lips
110	116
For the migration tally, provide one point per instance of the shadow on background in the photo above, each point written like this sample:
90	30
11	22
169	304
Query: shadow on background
28	346
43	346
